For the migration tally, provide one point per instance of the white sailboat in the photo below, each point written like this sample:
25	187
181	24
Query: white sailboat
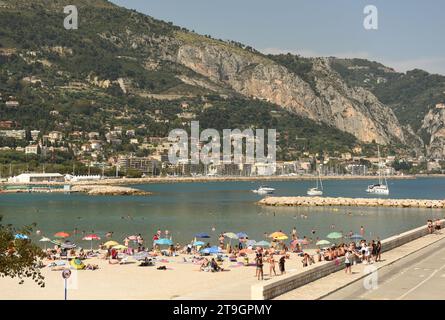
318	190
382	186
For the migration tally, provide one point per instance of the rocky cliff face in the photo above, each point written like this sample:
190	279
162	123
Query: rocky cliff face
434	125
354	110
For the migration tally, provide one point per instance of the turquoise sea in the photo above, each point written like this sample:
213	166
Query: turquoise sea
213	207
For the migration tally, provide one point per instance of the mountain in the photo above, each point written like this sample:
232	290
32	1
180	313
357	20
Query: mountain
121	66
412	96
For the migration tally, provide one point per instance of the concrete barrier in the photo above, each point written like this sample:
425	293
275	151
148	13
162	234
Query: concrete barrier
286	283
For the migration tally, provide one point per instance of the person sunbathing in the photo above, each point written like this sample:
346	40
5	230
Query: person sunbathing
92	267
214	265
205	265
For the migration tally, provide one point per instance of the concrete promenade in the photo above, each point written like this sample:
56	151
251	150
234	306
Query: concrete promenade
420	276
413	251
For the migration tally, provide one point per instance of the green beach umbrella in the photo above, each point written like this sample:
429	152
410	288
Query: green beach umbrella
230	235
322	242
335	235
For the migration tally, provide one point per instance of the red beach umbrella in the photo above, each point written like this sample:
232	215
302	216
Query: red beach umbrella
91	237
62	234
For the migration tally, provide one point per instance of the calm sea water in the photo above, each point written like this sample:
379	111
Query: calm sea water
213	207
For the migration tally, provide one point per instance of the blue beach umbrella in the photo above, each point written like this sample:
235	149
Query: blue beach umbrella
202	235
250	243
242	235
198	243
21	236
164	241
356	237
211	250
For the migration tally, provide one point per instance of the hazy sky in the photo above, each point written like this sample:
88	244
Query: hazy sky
411	33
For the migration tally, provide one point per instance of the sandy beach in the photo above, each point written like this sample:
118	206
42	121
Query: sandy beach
180	281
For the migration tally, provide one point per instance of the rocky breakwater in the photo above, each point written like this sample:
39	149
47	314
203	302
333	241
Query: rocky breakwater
351	202
107	190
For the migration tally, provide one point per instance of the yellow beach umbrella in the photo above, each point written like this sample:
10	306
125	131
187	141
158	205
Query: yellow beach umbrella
277	235
119	247
283	237
111	243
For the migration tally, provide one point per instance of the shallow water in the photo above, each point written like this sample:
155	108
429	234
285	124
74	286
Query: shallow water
187	208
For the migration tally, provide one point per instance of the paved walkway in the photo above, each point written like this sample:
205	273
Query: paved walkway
419	276
328	285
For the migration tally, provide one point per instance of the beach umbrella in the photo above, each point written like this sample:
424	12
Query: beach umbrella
68	245
77	264
250	243
202	235
322	242
62	234
119	247
164	241
211	250
284	237
277	235
110	243
198	243
21	236
241	235
263	244
356	237
230	235
334	235
91	237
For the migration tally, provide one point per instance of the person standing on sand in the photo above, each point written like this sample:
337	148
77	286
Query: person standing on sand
281	264
271	261
259	266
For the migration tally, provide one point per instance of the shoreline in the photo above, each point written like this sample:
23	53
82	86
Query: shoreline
153	180
92	190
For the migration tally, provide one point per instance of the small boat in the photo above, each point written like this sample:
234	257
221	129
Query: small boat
264	190
318	190
381	187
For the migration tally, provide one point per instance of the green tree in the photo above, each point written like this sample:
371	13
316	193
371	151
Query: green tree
19	257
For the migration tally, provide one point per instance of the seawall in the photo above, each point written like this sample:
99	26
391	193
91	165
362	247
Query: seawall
351	202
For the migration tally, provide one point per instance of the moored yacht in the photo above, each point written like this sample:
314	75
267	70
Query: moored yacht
382	186
264	190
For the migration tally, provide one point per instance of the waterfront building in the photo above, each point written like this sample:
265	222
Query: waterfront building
37	177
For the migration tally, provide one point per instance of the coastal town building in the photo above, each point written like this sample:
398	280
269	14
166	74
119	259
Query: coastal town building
37	177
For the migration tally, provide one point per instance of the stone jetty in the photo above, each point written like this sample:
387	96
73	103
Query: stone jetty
100	190
351	202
